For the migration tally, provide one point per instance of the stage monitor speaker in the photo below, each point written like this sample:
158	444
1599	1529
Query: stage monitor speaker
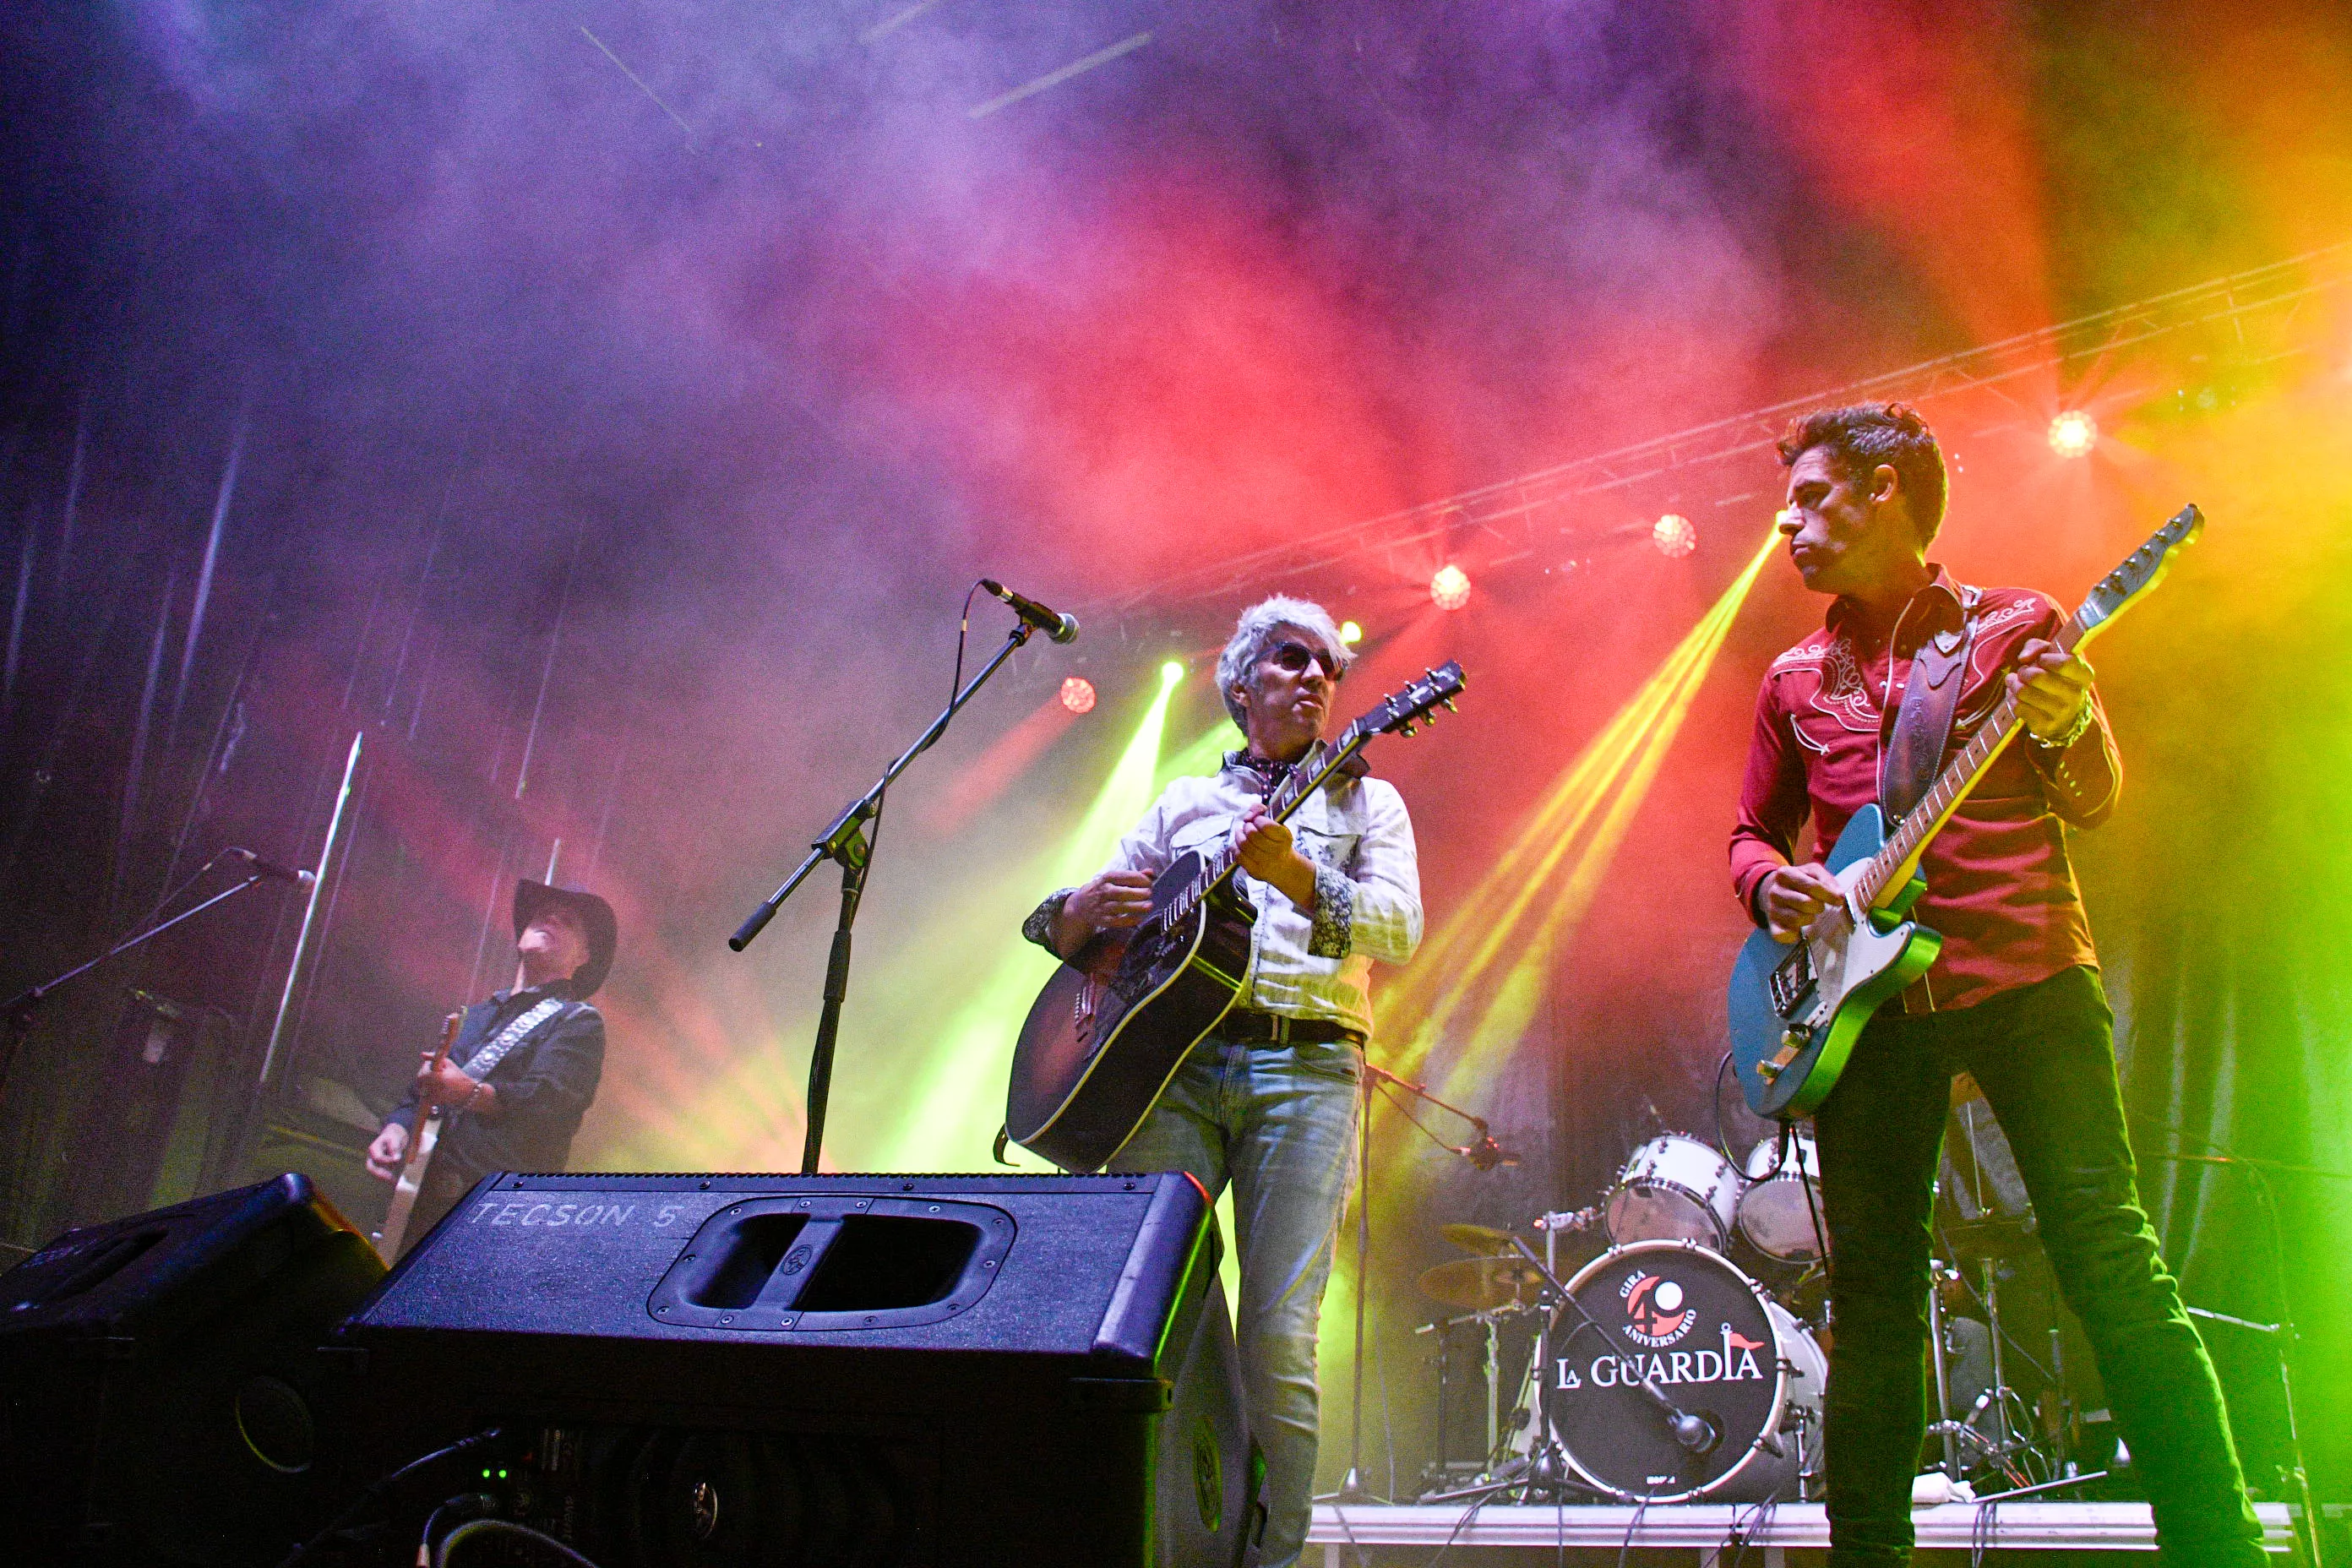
163	1385
887	1370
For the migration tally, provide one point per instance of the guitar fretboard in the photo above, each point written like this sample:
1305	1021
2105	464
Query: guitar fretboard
1891	867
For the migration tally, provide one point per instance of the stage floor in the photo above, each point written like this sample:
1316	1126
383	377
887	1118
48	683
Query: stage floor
1711	1534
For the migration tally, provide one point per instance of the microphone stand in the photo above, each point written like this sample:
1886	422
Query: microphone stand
1485	1154
849	842
22	1011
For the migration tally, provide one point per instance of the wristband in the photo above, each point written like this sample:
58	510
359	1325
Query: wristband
2074	731
473	1094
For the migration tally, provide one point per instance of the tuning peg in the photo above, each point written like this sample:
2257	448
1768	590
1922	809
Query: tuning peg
1447	703
1405	729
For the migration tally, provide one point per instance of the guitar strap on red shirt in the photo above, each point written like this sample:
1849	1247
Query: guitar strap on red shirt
1923	725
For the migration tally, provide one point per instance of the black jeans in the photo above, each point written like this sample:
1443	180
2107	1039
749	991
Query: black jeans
2044	1056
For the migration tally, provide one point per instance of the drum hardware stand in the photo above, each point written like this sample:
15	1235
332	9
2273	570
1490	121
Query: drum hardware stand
2005	1439
1545	1473
850	842
1485	1154
1490	1370
1944	1426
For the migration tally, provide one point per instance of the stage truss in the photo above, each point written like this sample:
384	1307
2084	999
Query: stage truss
1526	512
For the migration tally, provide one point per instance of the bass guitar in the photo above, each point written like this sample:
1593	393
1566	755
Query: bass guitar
1797	1008
1112	1025
424	1137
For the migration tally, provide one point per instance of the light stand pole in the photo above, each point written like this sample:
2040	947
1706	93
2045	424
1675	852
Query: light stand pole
849	842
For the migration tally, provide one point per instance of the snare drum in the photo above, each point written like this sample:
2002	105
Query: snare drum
1784	1193
1675	1188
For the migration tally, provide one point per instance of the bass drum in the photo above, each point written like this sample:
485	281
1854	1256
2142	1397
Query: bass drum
1776	1213
1675	1188
1709	1339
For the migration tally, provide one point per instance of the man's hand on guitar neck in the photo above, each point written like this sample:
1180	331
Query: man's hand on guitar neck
2051	688
1269	853
1793	897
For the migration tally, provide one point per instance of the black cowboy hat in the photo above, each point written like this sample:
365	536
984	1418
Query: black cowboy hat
596	919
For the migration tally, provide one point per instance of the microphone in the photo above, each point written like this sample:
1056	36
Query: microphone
271	867
1695	1432
1056	627
1485	1153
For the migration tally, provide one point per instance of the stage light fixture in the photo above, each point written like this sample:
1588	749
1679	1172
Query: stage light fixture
2073	432
1350	632
1451	587
1674	536
1172	672
1078	694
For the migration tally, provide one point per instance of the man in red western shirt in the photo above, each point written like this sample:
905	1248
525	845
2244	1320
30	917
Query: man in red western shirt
2013	997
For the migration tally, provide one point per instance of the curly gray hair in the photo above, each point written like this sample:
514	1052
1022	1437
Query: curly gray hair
1256	630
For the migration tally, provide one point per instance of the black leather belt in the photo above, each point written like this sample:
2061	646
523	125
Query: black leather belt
1251	1027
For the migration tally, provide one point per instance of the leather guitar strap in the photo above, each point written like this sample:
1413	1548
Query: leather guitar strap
1923	724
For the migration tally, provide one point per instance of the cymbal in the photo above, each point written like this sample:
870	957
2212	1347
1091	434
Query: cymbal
1484	1284
1483	1239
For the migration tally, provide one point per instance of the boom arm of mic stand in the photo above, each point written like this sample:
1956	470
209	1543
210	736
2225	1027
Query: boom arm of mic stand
1420	1092
18	1012
845	840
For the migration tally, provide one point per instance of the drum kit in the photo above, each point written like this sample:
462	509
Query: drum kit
1660	1370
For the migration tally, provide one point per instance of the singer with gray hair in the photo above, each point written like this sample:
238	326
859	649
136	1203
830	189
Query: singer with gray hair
1266	1101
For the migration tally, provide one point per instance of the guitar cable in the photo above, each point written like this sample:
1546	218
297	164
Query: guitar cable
385	1484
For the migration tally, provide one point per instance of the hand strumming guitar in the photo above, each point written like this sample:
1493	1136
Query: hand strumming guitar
1115	900
1793	897
384	1155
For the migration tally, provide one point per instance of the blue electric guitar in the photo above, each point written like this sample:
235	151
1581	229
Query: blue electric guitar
1797	1007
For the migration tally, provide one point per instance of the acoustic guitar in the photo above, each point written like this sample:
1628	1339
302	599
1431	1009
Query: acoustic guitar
1112	1025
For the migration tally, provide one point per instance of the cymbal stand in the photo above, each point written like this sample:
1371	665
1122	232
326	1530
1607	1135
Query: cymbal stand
1545	1473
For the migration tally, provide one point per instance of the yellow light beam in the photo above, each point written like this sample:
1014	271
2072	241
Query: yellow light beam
954	1108
1588	812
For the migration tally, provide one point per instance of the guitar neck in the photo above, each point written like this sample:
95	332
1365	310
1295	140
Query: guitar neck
1892	866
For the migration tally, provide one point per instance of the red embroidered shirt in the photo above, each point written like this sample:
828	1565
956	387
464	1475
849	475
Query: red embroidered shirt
1999	887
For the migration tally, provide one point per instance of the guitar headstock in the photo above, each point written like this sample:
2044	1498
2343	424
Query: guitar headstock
1411	704
2141	570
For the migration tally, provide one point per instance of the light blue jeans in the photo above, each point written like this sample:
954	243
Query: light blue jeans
1279	1123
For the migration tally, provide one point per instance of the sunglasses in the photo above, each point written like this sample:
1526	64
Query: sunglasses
1295	657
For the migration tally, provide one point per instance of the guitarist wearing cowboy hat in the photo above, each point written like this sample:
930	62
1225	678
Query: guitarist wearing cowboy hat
526	1062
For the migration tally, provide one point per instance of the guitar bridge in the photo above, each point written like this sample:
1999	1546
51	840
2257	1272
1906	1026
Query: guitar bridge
1791	979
